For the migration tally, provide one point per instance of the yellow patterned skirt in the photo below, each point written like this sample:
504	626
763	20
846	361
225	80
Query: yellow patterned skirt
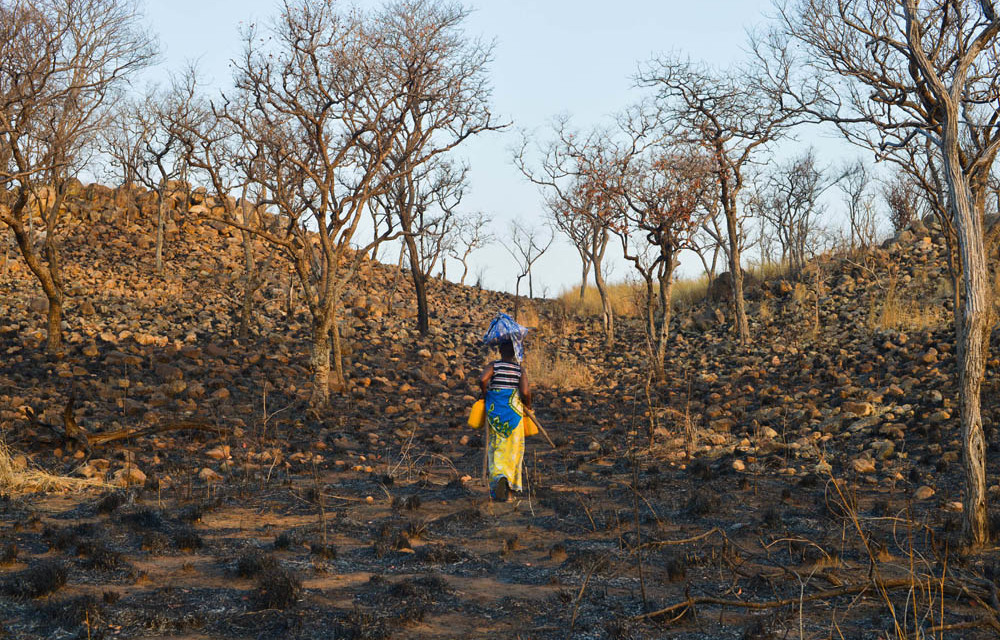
505	445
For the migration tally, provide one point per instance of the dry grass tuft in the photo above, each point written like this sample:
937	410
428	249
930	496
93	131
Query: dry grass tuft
549	368
768	271
800	293
18	478
898	311
528	316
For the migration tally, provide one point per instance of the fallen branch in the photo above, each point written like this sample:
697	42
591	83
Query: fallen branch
848	589
985	621
101	439
668	543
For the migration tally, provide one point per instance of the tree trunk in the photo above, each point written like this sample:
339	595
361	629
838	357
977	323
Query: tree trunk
160	223
49	281
419	286
607	310
666	297
736	271
340	381
650	314
290	295
465	272
517	296
4	266
249	285
53	341
320	361
972	335
954	272
583	280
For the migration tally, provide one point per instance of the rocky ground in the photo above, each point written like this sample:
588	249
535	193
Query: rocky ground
806	486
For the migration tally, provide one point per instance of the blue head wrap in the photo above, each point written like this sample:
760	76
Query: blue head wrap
504	328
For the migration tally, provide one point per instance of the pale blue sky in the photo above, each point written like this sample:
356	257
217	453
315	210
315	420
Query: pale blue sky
552	56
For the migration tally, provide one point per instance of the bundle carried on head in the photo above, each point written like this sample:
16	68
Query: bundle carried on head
506	329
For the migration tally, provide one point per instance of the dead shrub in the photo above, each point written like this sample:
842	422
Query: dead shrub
283	541
253	563
703	502
440	554
8	553
187	539
278	588
904	312
81	611
109	502
40	579
100	558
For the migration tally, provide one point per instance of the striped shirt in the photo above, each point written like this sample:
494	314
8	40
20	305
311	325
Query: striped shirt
506	375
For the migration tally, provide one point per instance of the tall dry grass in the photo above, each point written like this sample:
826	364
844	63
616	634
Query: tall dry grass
548	367
902	311
689	291
627	298
624	296
768	271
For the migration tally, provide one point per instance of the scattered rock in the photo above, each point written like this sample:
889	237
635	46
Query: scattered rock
209	476
858	409
863	465
128	476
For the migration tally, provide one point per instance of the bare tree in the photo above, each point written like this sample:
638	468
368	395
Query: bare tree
890	73
121	142
570	175
212	150
712	236
902	196
661	189
61	64
424	202
788	204
448	91
148	151
340	111
708	242
322	113
861	212
526	245
471	233
734	115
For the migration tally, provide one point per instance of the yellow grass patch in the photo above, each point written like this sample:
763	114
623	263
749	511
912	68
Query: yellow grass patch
547	367
625	299
17	477
898	311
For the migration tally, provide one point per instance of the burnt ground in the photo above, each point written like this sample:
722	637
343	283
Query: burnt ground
301	553
806	486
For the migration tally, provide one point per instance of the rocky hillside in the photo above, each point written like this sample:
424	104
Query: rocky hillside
850	377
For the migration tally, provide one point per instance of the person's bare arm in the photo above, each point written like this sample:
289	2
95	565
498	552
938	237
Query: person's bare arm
484	380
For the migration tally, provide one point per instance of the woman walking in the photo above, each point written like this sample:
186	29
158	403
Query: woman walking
507	394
